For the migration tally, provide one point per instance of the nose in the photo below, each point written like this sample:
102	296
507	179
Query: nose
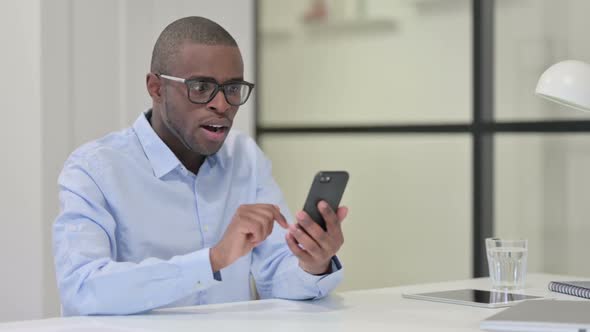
218	104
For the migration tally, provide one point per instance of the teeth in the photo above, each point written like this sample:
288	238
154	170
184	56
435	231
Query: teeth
214	128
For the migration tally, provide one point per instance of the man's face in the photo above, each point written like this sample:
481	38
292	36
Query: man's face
202	127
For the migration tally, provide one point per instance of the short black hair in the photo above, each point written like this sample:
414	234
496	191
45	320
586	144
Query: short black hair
193	29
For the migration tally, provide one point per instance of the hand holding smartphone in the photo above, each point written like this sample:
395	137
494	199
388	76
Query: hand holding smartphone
326	186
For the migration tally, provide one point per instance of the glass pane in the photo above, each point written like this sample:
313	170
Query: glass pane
542	190
409	200
364	62
531	35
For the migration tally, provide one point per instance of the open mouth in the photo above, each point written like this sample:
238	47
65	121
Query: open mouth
215	128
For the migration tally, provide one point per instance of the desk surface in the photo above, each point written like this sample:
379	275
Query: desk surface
367	310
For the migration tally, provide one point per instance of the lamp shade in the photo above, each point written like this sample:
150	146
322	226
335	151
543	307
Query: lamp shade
567	83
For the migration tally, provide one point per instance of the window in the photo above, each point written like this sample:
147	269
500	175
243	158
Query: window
430	107
370	89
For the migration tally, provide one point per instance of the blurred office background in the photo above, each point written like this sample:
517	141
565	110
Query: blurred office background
386	89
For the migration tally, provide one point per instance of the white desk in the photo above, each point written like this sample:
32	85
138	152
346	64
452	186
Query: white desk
369	310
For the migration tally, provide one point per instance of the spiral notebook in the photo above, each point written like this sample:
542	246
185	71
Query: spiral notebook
575	288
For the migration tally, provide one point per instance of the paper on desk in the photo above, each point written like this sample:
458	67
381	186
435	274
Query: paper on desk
92	326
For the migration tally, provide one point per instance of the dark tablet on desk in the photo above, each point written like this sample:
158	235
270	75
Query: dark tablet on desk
474	297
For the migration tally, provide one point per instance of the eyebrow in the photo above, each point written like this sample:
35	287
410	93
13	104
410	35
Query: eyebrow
209	78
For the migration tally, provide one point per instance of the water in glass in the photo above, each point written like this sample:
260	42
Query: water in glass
507	267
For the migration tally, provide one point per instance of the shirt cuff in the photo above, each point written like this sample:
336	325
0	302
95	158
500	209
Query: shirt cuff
196	270
325	282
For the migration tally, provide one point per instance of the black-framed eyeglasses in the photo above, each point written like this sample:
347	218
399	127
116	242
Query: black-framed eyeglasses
203	90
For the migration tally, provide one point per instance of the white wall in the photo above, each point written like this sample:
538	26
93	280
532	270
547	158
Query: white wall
75	71
20	169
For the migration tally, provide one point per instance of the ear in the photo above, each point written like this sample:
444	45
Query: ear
153	85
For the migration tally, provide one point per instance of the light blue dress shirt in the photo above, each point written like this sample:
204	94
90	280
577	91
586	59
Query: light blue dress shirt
135	228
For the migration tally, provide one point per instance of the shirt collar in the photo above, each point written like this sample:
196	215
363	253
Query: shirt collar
158	153
215	159
162	159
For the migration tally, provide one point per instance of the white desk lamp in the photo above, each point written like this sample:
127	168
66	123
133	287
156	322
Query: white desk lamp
567	83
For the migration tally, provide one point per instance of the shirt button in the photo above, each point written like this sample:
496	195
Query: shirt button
206	228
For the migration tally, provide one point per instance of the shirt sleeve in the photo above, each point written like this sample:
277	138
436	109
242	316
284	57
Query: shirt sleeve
90	280
275	269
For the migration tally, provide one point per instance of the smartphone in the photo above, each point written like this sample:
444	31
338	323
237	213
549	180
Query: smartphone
326	186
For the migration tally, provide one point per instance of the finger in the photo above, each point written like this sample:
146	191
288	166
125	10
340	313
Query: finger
272	213
263	218
309	245
342	213
294	246
245	223
255	229
268	220
312	229
330	218
279	217
269	213
292	227
335	230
